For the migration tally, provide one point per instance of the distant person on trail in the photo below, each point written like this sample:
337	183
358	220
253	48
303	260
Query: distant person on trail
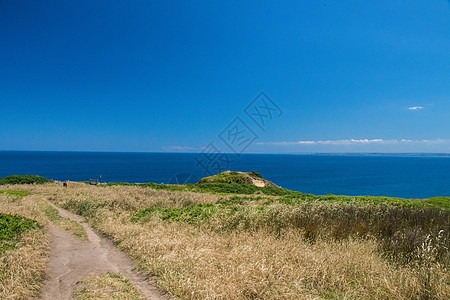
65	183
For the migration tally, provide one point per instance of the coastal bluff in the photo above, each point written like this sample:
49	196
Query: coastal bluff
251	178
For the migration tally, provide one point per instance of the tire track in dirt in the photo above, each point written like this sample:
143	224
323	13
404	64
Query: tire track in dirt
72	259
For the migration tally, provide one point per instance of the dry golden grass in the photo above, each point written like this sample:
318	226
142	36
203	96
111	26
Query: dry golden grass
22	270
107	286
29	207
201	262
117	198
195	264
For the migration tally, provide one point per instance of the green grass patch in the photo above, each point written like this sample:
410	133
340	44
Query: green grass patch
189	214
288	197
64	223
434	202
24	179
11	226
16	193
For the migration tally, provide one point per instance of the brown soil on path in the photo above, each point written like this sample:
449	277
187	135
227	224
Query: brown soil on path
72	259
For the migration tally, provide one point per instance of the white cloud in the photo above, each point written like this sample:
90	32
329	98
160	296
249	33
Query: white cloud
179	148
415	107
356	142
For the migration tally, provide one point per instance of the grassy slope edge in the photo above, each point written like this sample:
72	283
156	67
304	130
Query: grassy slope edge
23	261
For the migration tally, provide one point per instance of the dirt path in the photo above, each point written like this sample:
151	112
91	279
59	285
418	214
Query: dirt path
71	260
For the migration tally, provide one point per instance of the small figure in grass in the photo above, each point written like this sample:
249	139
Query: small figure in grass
65	183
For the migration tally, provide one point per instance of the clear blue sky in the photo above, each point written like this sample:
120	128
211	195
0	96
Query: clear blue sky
171	75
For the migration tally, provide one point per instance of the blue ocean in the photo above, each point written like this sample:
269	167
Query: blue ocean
406	176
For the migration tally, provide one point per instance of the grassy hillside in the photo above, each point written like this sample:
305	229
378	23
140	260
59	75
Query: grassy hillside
279	244
239	241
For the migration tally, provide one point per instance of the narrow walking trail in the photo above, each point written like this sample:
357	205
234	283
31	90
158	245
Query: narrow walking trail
72	259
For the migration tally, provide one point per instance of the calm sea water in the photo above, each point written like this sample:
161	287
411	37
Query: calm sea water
399	176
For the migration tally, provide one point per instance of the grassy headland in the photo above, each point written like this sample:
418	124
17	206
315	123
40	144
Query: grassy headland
240	241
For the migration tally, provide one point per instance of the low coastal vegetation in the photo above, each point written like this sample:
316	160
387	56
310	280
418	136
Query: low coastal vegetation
228	240
24	179
11	227
23	245
236	177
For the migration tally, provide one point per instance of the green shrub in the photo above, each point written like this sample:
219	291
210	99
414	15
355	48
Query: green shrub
24	179
228	177
11	226
255	174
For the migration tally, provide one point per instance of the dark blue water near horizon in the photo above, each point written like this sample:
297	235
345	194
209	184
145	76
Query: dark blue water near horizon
377	175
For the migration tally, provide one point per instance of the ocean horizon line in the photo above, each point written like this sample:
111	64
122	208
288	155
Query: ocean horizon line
422	154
